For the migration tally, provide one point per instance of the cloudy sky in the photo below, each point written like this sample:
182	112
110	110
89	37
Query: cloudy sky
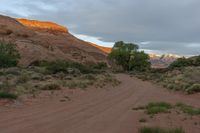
161	26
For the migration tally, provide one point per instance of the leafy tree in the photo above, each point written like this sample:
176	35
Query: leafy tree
127	55
139	61
9	56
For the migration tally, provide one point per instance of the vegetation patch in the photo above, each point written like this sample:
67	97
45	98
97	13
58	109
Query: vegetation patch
160	130
188	109
156	108
129	57
162	107
193	88
52	86
185	79
70	67
7	95
43	75
9	56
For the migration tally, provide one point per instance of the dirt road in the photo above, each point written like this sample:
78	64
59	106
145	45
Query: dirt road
107	110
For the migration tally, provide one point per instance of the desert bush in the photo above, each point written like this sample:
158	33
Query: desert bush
160	130
5	86
155	108
100	65
9	56
78	84
181	62
23	78
194	88
51	86
36	76
13	71
7	95
188	109
64	66
89	77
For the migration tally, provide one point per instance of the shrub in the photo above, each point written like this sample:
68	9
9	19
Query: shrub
89	77
194	88
63	66
139	61
9	56
23	78
83	68
78	84
57	66
155	108
160	130
5	86
100	65
51	86
7	95
188	109
181	62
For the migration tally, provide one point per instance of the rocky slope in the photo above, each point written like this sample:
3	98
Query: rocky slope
37	40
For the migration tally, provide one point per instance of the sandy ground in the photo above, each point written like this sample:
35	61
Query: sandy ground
107	110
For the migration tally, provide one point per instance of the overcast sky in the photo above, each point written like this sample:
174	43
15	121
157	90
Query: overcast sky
162	26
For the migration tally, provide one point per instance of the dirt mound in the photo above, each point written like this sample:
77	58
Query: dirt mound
47	41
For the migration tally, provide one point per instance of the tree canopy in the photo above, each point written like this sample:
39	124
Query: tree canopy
128	56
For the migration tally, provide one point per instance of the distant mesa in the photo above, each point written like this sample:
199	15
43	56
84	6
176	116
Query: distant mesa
162	61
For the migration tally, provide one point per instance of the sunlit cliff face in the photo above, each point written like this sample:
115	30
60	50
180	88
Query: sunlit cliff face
104	49
38	25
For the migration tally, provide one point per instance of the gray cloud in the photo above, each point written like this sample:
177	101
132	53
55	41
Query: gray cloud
169	25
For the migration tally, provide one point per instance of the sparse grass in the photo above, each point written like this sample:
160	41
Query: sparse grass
7	95
160	130
155	108
188	109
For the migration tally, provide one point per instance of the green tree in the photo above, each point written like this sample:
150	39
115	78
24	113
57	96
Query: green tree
9	56
139	61
128	56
